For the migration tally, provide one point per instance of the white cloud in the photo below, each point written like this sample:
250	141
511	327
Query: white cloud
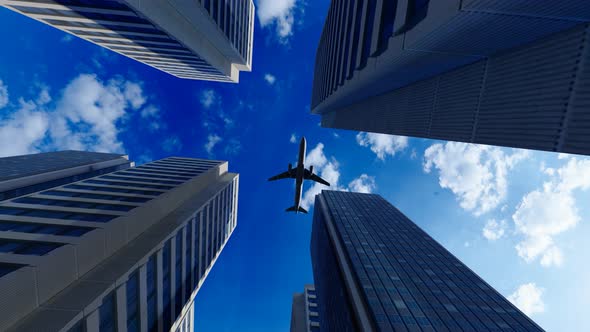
172	144
476	174
27	123
381	144
547	212
363	184
212	140
279	12
528	298
493	230
329	170
293	138
86	117
326	169
151	114
3	95
43	97
270	79
316	157
90	104
134	94
208	98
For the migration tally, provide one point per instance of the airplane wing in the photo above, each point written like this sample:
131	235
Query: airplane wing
310	176
285	175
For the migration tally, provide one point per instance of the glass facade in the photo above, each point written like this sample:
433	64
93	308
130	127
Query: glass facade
178	274
152	294
166	286
132	292
107	314
334	307
407	280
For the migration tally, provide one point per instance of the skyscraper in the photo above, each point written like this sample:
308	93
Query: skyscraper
500	72
375	270
304	311
204	40
123	251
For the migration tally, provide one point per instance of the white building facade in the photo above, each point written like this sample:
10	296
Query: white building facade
124	251
200	39
304	311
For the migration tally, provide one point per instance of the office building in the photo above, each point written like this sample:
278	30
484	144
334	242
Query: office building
500	72
201	39
304	311
375	270
123	251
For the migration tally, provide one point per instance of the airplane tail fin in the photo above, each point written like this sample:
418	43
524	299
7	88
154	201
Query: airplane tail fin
296	209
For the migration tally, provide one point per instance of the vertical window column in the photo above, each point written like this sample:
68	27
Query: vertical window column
166	286
178	273
151	294
108	314
188	268
196	246
132	294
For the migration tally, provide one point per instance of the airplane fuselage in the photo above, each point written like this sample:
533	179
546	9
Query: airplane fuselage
300	171
300	174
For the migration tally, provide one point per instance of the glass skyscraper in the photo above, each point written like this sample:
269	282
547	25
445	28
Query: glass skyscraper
123	251
375	270
500	72
201	39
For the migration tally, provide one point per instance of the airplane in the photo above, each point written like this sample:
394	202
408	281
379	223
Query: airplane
299	173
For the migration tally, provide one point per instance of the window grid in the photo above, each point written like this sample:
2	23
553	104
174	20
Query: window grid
408	279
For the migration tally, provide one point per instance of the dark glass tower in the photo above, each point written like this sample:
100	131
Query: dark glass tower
375	270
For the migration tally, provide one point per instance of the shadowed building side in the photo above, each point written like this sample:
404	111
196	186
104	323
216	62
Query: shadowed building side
506	72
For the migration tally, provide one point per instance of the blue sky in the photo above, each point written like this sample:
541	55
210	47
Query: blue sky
516	217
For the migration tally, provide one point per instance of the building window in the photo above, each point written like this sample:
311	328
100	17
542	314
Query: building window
152	298
166	286
107	314
132	291
187	257
178	274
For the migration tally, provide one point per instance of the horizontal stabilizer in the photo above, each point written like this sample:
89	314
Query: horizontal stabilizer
296	209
